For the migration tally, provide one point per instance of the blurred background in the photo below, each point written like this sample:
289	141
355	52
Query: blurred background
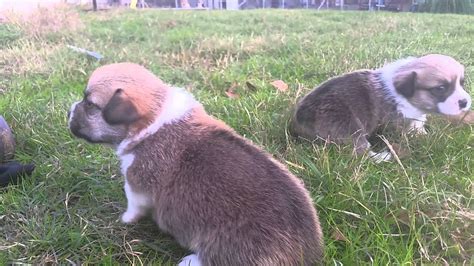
434	6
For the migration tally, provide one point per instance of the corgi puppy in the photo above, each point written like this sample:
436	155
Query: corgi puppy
216	193
351	107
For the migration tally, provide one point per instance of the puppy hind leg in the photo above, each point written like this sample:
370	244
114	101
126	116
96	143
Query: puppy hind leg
362	145
360	142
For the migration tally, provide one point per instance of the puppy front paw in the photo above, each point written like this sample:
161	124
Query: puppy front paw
129	217
190	260
417	128
383	156
419	131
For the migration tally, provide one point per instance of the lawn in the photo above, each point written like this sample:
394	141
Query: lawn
417	211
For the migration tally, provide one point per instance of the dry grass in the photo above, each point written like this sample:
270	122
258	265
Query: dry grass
27	56
42	33
46	21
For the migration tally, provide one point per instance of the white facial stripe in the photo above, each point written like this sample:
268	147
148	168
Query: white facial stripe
451	105
458	83
71	114
177	104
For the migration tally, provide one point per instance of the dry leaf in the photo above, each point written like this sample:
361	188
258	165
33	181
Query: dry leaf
465	117
171	24
250	86
189	87
403	217
401	151
280	85
230	92
338	235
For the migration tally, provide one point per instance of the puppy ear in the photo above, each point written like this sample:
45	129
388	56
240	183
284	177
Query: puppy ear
120	110
405	84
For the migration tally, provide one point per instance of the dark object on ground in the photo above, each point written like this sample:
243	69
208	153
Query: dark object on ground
12	172
7	142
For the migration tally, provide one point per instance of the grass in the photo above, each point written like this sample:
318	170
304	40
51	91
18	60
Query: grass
419	212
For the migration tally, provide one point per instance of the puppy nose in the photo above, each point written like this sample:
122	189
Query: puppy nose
462	103
68	114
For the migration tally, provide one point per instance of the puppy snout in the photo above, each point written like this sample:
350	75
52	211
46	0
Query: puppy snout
462	103
68	114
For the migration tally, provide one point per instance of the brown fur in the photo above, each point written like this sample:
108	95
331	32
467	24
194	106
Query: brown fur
351	107
215	192
237	208
344	109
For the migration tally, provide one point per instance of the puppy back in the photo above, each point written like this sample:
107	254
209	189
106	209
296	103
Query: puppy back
336	106
220	195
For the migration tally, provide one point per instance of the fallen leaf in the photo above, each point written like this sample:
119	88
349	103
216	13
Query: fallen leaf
401	151
230	92
403	217
171	24
465	117
250	86
189	87
338	235
280	85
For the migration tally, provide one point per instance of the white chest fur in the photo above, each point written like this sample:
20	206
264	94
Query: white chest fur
125	162
178	103
404	107
409	111
138	203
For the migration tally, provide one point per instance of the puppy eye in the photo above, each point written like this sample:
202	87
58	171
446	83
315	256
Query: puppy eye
439	90
89	104
91	107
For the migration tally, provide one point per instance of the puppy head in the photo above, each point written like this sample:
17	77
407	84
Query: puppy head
433	83
119	100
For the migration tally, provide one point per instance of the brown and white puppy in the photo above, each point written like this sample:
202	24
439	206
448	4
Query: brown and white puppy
215	192
351	107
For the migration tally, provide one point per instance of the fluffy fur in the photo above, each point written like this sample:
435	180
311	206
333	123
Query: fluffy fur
218	194
351	107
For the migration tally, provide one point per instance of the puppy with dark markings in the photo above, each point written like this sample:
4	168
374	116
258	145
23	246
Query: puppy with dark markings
11	172
351	107
219	195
